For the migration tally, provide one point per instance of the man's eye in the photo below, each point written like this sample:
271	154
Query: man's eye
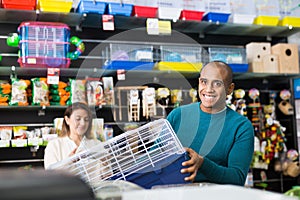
203	82
218	84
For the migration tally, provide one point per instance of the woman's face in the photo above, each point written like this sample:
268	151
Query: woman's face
78	122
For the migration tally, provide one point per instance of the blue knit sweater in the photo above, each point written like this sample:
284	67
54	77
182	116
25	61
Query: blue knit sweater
224	139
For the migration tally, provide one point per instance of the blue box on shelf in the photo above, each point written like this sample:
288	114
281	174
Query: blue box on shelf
120	9
90	6
165	172
129	65
216	17
239	67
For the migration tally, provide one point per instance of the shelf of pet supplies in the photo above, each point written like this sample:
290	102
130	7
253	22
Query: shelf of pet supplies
201	27
31	108
274	76
18	16
127	23
81	72
49	108
212	28
30	125
21	161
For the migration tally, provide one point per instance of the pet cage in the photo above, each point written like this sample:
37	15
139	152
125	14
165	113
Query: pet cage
147	156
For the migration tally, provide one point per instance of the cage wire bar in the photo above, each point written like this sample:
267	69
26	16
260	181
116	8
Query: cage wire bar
138	156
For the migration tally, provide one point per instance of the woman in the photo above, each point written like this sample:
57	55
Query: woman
75	136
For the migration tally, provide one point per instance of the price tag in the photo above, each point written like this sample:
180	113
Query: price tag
108	22
164	27
121	74
53	75
152	26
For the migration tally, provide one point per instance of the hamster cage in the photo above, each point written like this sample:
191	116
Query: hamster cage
147	156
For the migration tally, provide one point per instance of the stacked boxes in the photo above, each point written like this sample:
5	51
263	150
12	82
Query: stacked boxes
279	58
288	57
255	52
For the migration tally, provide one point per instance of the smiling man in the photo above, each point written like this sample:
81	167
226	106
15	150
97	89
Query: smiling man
219	141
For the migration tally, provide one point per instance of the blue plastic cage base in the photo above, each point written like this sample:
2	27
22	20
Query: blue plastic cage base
239	67
129	65
165	172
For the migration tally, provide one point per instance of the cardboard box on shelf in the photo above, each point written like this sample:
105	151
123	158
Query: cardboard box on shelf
256	50
288	57
270	64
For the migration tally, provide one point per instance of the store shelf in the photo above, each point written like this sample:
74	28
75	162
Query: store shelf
64	72
98	72
30	125
127	23
272	76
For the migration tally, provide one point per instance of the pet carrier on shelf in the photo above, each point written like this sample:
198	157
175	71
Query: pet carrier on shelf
147	156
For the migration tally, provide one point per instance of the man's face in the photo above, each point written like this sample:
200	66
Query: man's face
212	88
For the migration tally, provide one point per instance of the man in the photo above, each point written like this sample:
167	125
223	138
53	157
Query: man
219	141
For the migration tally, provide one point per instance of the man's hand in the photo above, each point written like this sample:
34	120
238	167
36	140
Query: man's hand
192	165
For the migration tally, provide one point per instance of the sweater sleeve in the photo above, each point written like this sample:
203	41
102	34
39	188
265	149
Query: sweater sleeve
51	155
239	160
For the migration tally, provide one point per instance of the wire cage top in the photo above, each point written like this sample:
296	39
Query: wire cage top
149	155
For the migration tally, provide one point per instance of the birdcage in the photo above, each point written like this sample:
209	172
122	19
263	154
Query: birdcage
147	156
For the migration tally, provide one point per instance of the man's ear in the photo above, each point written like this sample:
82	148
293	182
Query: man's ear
230	89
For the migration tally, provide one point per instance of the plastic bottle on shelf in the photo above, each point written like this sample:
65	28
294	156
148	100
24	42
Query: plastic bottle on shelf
108	132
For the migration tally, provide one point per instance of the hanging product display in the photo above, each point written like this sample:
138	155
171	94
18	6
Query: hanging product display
240	102
45	44
285	106
193	93
176	97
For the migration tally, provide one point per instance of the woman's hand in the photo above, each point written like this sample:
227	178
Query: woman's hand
73	152
192	165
